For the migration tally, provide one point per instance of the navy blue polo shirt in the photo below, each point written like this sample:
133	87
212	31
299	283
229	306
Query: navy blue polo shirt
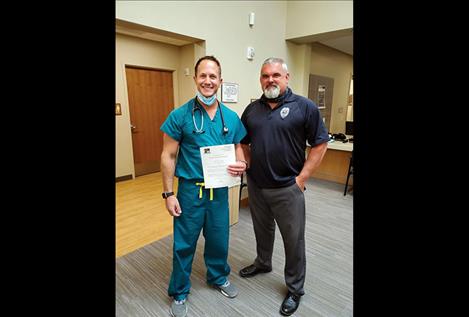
278	138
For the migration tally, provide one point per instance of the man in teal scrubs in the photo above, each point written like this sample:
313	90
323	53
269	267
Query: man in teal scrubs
202	121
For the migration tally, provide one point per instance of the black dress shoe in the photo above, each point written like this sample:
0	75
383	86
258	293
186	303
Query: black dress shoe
252	270
290	304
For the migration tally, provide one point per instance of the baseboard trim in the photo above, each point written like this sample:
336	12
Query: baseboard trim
123	178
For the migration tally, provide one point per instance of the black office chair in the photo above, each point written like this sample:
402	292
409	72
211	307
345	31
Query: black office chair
350	172
243	184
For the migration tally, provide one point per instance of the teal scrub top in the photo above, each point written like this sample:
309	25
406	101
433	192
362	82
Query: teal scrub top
180	126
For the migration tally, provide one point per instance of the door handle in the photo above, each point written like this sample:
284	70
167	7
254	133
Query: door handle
132	127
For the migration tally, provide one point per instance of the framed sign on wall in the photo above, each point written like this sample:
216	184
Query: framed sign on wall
229	92
321	97
321	90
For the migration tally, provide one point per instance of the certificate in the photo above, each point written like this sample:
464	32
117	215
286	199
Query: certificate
215	161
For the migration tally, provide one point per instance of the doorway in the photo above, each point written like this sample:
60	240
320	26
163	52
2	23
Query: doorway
151	100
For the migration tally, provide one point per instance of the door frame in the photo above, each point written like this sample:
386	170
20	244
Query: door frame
126	93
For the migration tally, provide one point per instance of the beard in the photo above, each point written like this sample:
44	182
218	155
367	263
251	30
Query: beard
272	91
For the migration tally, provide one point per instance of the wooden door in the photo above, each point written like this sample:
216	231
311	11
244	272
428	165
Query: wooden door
321	91
151	99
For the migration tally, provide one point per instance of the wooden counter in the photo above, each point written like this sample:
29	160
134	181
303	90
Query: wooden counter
334	166
233	201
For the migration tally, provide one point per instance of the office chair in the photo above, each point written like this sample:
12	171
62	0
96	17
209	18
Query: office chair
350	172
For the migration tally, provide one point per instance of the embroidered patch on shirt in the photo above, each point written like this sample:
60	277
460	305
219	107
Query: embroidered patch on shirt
284	112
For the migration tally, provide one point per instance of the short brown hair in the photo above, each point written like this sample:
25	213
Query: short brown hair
210	58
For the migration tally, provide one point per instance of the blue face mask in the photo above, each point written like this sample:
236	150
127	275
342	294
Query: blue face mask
207	100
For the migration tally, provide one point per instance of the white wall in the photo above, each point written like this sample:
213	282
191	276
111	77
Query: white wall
299	70
223	26
306	18
332	63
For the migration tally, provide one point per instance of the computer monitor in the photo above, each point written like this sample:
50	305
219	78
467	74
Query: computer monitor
349	127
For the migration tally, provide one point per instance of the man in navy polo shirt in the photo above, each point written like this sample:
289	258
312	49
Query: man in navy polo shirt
278	126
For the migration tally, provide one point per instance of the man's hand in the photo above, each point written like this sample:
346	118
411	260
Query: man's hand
238	168
172	205
300	183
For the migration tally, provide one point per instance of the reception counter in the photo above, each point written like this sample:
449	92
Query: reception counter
340	146
334	166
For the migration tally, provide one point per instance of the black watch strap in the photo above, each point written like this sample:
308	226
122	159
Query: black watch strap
167	194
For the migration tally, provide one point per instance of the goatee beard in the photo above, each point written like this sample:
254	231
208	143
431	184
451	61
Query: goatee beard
272	92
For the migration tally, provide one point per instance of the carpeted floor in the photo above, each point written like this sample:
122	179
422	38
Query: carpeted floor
142	276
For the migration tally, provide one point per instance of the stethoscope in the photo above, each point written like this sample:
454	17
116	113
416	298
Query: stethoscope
201	129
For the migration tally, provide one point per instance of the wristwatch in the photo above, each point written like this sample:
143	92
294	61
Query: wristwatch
167	194
245	162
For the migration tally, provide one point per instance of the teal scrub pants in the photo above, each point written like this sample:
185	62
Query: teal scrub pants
211	216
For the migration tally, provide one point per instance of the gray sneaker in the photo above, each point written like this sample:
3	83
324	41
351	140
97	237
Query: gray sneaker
178	308
227	289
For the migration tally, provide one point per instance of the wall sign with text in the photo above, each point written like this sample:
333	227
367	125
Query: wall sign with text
229	92
322	96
